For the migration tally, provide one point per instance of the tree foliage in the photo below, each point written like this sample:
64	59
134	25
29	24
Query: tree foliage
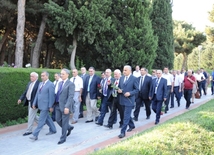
130	39
163	27
186	39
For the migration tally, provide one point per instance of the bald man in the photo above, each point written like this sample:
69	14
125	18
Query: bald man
128	89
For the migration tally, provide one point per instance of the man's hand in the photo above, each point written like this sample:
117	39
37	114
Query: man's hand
98	98
150	98
109	82
66	111
19	101
33	107
119	91
127	94
80	99
171	90
164	99
51	109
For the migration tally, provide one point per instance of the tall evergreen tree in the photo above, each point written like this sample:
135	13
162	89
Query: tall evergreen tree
163	27
130	39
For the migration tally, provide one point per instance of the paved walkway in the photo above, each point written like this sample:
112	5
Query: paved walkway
85	138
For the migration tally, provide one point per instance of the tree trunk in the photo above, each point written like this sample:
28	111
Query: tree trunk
73	53
2	55
38	45
184	65
20	33
4	38
48	56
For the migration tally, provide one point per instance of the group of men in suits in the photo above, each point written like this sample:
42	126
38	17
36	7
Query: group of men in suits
41	96
121	93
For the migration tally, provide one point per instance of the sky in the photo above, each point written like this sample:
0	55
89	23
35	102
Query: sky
194	12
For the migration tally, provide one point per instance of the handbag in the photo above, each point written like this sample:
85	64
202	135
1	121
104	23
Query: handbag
197	95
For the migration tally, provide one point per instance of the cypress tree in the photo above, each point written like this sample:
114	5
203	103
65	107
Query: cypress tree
163	27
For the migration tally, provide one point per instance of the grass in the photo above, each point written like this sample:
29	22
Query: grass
191	133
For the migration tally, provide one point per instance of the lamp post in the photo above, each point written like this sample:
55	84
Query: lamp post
199	55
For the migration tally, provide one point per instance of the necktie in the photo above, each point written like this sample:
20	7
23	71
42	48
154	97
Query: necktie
89	82
59	91
74	80
126	78
28	95
105	88
56	83
43	83
156	85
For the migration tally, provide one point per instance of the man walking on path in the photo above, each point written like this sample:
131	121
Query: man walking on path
29	96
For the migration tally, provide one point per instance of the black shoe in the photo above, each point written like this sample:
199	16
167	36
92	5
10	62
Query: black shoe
172	107
80	115
130	129
178	104
108	126
69	130
61	141
27	133
120	125
121	135
148	117
135	119
96	118
156	122
165	112
89	121
100	124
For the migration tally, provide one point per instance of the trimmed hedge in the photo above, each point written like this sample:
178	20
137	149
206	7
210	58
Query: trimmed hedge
13	82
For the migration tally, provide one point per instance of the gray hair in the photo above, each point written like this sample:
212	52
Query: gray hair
117	71
83	68
129	67
35	74
159	71
46	73
108	70
58	74
91	68
66	70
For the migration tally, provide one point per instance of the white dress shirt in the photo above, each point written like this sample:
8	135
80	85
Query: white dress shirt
169	78
136	73
78	83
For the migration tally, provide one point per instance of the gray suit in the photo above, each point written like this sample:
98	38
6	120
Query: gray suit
65	101
44	100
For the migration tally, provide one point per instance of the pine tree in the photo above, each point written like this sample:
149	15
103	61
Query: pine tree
163	27
130	39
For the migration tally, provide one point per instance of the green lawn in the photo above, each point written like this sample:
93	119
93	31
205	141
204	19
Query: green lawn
191	133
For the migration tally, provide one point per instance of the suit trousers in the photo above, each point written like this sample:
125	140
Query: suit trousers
127	120
187	96
44	118
81	106
113	115
175	93
32	116
147	103
92	110
168	98
203	86
156	107
76	106
63	121
104	109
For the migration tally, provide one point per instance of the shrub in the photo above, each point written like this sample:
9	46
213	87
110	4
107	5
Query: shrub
13	82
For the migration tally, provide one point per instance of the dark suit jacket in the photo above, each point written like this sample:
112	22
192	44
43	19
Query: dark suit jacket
131	86
84	77
66	96
144	92
109	90
94	92
33	93
161	89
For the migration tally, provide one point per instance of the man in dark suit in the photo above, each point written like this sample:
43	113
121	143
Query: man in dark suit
44	101
83	76
158	94
145	82
106	97
64	103
91	94
29	96
128	89
115	102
